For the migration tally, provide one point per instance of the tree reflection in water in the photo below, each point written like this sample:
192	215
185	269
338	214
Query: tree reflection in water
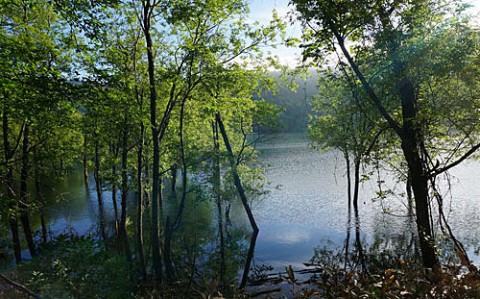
388	263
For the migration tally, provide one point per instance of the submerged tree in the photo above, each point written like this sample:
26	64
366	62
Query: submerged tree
344	121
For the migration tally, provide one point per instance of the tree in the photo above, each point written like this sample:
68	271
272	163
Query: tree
346	122
390	46
200	39
33	57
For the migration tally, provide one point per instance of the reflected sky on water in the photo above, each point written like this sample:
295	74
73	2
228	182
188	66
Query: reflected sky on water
306	205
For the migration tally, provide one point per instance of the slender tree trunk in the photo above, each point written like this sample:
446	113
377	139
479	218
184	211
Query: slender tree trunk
248	261
349	183
24	195
167	251
349	205
218	199
114	198
183	199
174	178
356	182
238	183
358	241
228	220
171	227
85	162
347	241
157	264
39	196
17	251
147	201
157	261
409	194
10	189
123	235
140	195
98	186
43	223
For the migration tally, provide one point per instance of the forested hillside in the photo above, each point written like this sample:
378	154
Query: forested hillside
295	101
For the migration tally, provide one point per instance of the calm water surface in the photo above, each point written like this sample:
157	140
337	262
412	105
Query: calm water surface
306	206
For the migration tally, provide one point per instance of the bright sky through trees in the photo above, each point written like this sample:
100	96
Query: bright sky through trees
261	11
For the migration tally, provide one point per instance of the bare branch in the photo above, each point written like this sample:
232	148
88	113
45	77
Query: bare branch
455	163
19	286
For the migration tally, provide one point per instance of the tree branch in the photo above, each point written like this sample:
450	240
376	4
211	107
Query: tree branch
18	286
455	163
371	93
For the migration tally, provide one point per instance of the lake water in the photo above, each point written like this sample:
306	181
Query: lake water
309	206
306	206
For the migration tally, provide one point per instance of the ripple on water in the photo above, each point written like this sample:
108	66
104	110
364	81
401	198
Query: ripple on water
310	203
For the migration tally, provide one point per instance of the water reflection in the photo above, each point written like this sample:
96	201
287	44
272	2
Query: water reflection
248	260
304	214
330	262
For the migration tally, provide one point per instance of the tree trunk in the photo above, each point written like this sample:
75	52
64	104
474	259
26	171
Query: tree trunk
123	236
157	264
157	261
140	245
24	195
356	183
114	198
420	191
218	199
347	241
409	193
85	162
411	140
183	199
349	206
17	251
358	241
140	195
248	261
39	196
171	227
167	254
174	171
43	223
349	183
98	187
238	183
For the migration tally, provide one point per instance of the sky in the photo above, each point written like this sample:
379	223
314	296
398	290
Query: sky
261	10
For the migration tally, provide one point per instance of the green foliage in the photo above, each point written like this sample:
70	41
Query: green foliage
35	97
76	73
433	45
430	46
78	267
